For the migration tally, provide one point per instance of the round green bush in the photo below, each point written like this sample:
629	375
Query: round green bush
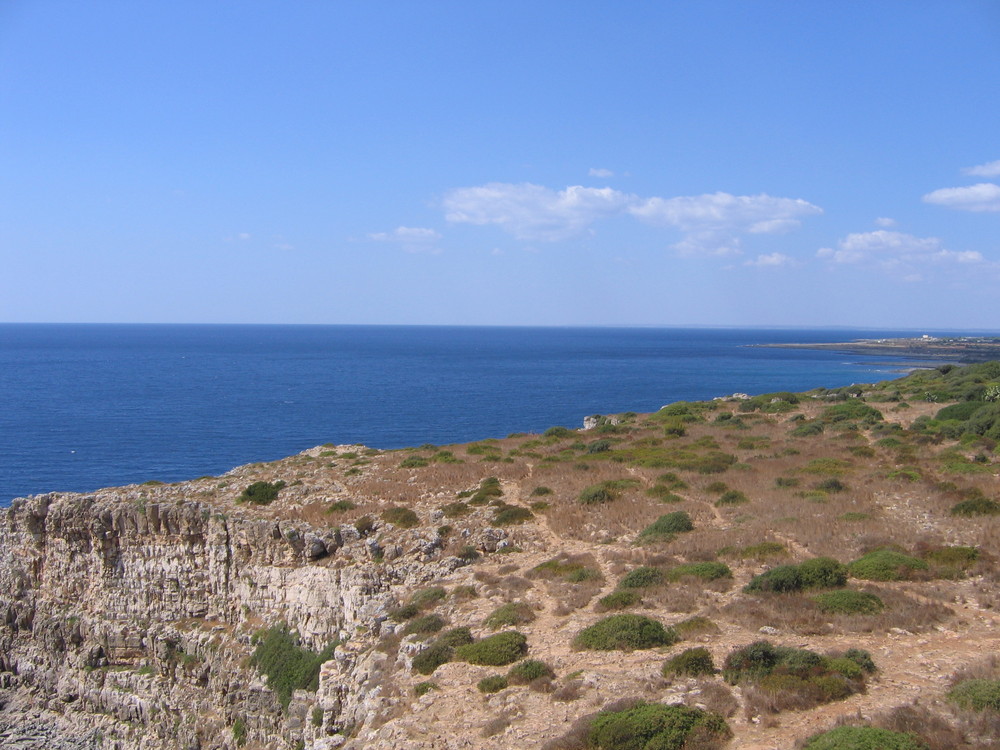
693	662
625	632
822	573
432	657
597	493
622	599
732	497
494	651
848	602
864	738
976	695
666	526
654	726
706	571
885	565
511	515
977	506
404	518
492	684
529	670
512	613
641	578
425	625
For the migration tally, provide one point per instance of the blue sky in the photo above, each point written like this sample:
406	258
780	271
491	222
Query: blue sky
522	163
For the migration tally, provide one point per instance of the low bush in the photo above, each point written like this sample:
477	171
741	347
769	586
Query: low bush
640	578
848	602
441	650
656	726
261	493
414	462
732	497
864	738
456	509
529	670
541	491
596	494
625	632
819	572
495	650
622	599
666	527
976	695
340	506
404	518
697	625
511	515
426	625
492	684
664	494
886	564
422	688
706	571
558	432
693	662
976	506
512	613
288	665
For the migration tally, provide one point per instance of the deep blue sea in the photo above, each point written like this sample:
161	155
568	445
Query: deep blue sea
89	406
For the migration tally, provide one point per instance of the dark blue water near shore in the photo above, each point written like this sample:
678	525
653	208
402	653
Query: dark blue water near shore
86	406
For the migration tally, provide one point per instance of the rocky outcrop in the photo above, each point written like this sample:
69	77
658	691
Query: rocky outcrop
131	621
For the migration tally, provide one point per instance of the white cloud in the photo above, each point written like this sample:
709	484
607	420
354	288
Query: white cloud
984	196
896	253
410	239
532	212
771	260
284	246
990	169
595	172
711	224
885	221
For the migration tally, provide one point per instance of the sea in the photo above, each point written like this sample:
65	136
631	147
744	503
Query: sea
90	406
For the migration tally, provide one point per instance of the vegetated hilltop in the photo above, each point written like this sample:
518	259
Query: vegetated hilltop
744	572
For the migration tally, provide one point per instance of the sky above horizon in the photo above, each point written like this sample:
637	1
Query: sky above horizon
515	163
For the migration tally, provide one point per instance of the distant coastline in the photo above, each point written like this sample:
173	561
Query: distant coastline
961	349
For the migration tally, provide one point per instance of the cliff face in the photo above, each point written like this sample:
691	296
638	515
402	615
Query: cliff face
130	621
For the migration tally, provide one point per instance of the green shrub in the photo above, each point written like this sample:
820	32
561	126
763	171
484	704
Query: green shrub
706	571
862	658
655	726
819	572
624	632
432	657
952	557
558	432
492	684
831	485
885	565
622	599
529	670
426	625
455	509
665	527
288	666
976	695
364	525
511	515
847	667
428	597
864	738
599	446
976	506
854	410
759	551
404	518
732	497
541	490
261	493
455	637
404	612
697	625
848	602
239	730
598	493
422	688
663	493
641	578
853	516
340	505
512	613
807	429
495	650
413	462
693	662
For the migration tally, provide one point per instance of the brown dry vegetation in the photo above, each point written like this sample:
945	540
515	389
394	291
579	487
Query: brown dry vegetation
893	487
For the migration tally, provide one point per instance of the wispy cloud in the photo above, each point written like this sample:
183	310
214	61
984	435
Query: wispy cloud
771	260
410	239
597	172
984	196
897	253
990	169
885	221
534	212
711	224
